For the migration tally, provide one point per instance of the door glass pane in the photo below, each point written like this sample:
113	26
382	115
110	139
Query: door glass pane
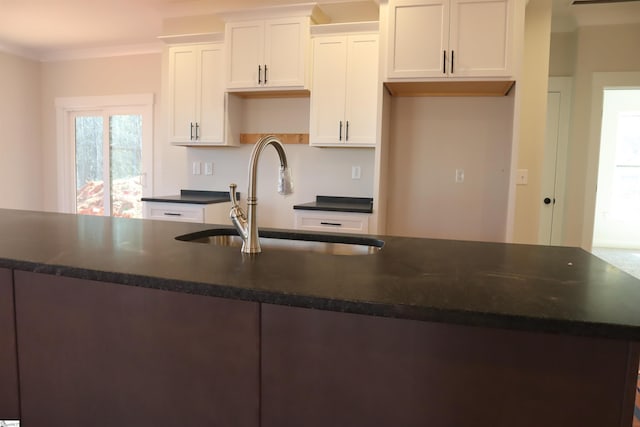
89	165
625	200
125	147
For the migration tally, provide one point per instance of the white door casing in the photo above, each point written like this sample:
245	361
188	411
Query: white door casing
599	82
66	111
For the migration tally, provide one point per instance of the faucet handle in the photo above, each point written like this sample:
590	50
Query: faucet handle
232	194
237	215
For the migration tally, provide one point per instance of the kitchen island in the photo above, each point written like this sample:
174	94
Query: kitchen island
116	321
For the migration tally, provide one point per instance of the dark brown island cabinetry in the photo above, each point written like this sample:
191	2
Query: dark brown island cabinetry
9	405
101	354
323	368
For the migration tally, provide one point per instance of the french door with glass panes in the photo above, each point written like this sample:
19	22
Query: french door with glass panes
108	150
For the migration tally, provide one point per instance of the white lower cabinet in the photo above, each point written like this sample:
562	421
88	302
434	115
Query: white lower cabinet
332	222
213	213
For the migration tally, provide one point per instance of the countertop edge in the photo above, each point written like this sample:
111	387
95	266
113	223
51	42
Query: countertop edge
394	311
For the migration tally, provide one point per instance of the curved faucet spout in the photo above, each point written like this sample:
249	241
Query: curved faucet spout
248	229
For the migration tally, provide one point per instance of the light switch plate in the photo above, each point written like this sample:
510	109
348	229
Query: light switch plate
196	168
356	172
522	177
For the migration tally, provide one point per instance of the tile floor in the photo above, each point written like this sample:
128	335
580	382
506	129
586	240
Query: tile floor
627	260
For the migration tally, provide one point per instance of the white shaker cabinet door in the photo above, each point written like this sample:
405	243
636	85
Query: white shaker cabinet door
246	53
361	108
418	38
285	52
211	94
328	90
182	93
479	38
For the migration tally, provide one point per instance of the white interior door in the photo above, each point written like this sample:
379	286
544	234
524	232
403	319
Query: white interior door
555	160
617	219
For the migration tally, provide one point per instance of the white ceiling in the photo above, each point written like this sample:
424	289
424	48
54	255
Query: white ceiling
42	28
567	17
39	28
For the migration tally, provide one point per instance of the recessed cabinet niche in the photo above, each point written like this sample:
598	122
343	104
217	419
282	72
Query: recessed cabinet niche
196	94
267	54
344	91
449	38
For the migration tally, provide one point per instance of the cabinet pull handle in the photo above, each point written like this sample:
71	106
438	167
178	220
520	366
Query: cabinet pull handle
172	214
265	73
197	131
452	53
444	62
340	134
259	74
346	132
191	134
335	224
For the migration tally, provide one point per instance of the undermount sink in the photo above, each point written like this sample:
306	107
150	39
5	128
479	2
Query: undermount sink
290	240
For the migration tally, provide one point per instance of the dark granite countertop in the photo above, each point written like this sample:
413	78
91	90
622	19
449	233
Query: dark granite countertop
194	197
338	204
523	287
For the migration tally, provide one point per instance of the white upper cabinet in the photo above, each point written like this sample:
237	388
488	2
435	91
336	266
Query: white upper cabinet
267	54
449	38
344	91
196	94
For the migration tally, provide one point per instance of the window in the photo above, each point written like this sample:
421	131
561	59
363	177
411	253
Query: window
105	154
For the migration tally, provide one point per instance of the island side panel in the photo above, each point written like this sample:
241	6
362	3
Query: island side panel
100	354
9	405
323	368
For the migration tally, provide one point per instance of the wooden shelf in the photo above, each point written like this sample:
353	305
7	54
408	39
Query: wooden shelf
302	93
286	138
452	88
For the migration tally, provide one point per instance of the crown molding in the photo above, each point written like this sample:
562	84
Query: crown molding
102	52
346	27
192	38
19	51
281	11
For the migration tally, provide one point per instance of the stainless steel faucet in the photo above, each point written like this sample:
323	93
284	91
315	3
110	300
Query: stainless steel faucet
247	225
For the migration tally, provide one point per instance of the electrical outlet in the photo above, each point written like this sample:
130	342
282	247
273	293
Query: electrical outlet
459	176
208	168
196	168
356	172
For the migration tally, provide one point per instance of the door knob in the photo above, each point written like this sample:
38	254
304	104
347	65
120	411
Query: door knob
547	200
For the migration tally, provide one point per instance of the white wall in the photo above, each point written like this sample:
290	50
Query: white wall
108	76
315	171
429	139
532	87
562	54
20	143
